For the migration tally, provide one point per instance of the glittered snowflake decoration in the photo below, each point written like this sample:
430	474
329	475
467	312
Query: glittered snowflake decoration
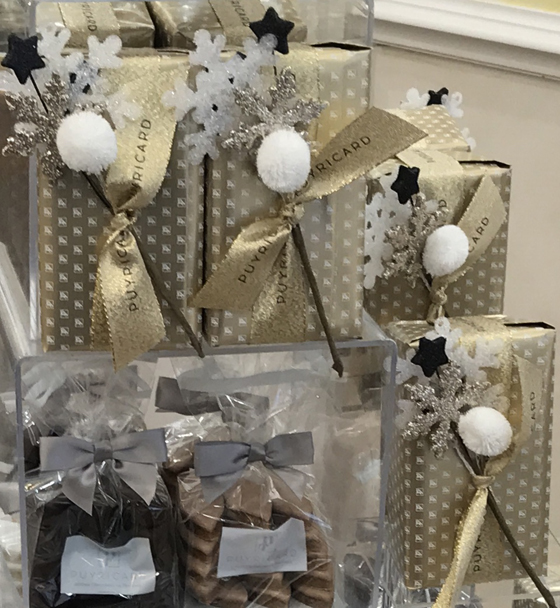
36	128
284	110
431	407
408	239
67	84
439	405
212	103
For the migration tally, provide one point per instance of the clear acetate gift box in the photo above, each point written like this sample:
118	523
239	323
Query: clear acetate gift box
248	396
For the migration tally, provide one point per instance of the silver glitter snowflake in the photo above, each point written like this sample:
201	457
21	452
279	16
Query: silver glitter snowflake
283	110
409	239
439	405
37	128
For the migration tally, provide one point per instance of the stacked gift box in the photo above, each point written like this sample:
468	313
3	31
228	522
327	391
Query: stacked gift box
188	235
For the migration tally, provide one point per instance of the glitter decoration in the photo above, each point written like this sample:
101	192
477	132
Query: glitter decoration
438	406
408	239
36	127
66	84
284	111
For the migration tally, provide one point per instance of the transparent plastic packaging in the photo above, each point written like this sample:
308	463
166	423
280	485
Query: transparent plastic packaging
315	21
246	396
9	596
257	401
338	21
129	20
13	20
95	405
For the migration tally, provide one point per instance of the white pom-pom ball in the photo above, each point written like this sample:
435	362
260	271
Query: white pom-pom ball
86	142
446	250
485	431
284	161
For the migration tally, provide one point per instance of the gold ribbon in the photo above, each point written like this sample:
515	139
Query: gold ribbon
235	16
471	526
85	19
442	179
261	269
481	222
126	313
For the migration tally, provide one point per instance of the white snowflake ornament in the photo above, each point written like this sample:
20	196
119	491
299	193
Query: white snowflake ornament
415	100
103	55
212	104
182	98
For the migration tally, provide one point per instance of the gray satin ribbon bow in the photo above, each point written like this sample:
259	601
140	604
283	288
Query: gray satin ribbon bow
220	464
136	453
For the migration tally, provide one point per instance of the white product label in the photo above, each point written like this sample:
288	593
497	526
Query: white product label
88	568
249	551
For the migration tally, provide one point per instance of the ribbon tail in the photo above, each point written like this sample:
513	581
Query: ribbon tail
215	486
126	312
78	486
438	297
280	312
140	477
238	281
467	536
481	222
294	479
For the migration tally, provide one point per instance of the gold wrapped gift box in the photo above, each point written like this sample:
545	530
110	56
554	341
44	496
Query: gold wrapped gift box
480	290
129	20
333	227
443	133
177	22
72	219
428	496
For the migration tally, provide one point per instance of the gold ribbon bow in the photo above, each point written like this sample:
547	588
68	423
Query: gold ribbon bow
261	270
469	530
126	314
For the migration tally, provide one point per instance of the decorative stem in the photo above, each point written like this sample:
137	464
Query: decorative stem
492	503
299	242
37	90
152	271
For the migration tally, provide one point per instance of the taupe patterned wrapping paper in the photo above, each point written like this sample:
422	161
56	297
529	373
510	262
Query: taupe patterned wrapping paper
333	227
427	496
443	132
71	219
177	22
129	20
480	291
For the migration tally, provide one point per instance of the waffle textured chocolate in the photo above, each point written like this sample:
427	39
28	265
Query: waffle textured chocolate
258	502
203	533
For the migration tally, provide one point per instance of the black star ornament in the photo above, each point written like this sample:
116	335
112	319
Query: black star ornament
436	97
271	23
430	355
22	57
406	184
